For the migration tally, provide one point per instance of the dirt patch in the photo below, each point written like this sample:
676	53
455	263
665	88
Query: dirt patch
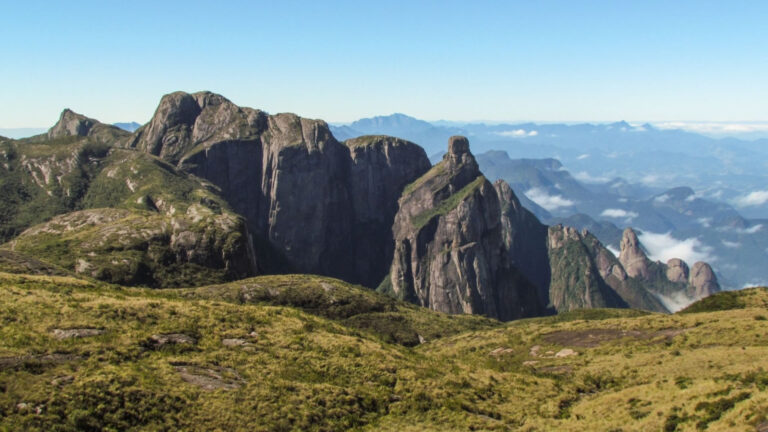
38	361
593	337
209	377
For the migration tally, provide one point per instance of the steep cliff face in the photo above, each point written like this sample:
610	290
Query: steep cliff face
314	205
449	252
380	167
525	240
579	266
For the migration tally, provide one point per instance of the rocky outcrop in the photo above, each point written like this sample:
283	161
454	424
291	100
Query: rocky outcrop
312	204
449	251
136	247
677	271
672	280
632	256
703	281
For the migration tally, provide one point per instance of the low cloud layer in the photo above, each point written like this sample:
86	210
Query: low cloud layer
518	133
663	247
585	177
618	214
548	202
717	128
756	198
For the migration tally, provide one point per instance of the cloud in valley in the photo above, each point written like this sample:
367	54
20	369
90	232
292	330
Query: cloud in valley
756	198
618	214
548	202
585	177
663	247
518	133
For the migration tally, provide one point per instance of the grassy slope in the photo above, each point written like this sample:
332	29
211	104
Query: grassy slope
313	368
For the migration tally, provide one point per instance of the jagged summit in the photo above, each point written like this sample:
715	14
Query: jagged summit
71	124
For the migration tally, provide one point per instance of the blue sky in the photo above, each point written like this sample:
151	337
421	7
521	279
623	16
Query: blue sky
499	61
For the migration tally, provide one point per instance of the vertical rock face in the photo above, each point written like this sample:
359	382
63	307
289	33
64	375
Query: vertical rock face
524	238
703	281
313	205
632	257
677	271
380	167
449	252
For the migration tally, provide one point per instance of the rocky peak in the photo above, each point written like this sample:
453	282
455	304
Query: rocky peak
703	281
459	157
71	124
677	271
449	250
183	121
632	256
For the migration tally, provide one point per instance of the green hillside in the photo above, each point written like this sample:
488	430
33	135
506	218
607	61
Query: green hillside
300	352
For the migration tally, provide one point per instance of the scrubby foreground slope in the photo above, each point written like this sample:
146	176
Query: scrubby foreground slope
308	353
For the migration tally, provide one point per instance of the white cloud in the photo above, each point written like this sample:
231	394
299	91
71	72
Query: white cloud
755	284
613	250
623	200
548	202
730	244
705	221
650	179
662	198
677	301
663	247
755	198
716	128
587	178
582	157
750	230
518	133
619	214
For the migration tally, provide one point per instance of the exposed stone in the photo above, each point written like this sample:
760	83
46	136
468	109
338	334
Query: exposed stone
168	339
312	204
703	281
449	252
235	342
632	257
76	333
210	378
677	271
566	352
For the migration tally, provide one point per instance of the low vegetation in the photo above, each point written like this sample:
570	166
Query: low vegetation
297	352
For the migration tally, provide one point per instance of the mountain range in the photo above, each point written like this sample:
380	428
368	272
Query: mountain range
612	176
208	191
225	268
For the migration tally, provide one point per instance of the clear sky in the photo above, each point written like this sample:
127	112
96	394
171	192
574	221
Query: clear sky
339	61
